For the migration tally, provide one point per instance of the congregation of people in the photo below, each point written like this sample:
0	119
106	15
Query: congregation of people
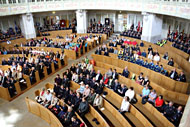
134	55
91	88
27	64
180	41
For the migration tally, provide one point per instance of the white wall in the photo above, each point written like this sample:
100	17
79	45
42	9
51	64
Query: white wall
8	21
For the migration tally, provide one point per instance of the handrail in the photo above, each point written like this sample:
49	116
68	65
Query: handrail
43	113
178	98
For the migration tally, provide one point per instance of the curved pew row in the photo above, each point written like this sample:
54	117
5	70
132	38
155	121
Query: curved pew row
92	112
182	62
162	61
50	86
164	64
4	92
109	111
155	77
42	112
147	109
183	54
133	115
176	97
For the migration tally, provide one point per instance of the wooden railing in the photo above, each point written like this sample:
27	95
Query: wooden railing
162	80
43	113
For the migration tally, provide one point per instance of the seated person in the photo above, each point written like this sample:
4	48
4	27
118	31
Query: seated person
53	101
140	79
115	74
91	96
83	107
166	56
48	98
86	91
124	105
182	77
156	58
82	87
105	79
67	118
145	94
159	103
143	54
106	53
169	110
98	101
125	72
152	96
171	62
121	91
175	119
145	81
130	93
75	122
173	74
109	73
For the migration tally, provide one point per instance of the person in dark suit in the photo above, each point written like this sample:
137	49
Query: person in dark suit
111	50
125	72
115	74
92	73
32	75
68	116
116	85
98	76
65	81
173	74
78	70
58	80
122	90
171	62
98	51
4	62
25	70
83	107
169	110
182	77
177	116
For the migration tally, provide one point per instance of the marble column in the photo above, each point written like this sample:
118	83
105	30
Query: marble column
27	26
152	27
82	21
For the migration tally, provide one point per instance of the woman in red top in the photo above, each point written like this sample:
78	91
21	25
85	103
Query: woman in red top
105	79
159	103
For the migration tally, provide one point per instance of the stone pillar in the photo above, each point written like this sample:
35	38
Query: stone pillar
152	27
27	26
82	21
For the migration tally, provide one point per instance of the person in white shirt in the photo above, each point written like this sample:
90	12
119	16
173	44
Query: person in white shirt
130	93
150	55
157	58
86	91
75	77
48	97
124	105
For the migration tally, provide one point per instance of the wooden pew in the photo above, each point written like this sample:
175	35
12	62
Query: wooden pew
51	86
155	77
169	46
133	115
147	109
182	62
176	97
43	113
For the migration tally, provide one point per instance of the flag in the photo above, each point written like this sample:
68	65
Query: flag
139	26
169	31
